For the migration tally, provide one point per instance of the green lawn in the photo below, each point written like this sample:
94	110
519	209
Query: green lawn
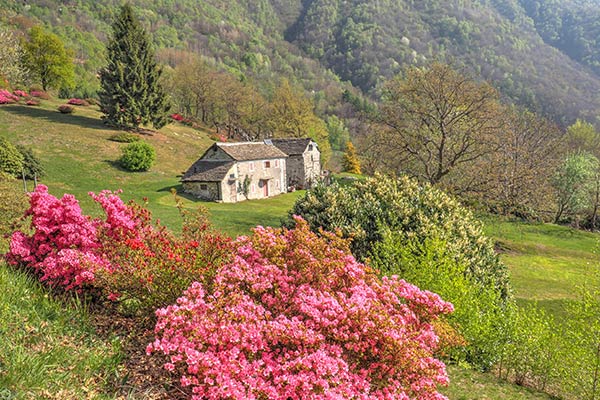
547	262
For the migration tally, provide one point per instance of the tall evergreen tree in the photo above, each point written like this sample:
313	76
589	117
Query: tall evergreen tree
131	93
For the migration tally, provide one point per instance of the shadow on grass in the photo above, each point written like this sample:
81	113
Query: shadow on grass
57	117
180	193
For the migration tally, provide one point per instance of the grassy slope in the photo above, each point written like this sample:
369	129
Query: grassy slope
547	262
47	350
79	158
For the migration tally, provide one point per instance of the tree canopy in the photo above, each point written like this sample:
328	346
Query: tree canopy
51	64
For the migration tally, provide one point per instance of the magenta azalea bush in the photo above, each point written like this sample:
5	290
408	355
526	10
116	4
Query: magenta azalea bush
61	249
78	102
295	316
7	97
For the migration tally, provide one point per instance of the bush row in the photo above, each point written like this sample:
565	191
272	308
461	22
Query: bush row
279	314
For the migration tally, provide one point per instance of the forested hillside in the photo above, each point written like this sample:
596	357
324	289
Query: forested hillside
543	54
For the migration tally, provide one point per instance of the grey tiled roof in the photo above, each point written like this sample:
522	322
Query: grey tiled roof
251	151
207	171
291	147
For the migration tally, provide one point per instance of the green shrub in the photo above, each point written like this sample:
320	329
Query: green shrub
13	203
125	137
479	312
138	156
11	160
31	164
365	210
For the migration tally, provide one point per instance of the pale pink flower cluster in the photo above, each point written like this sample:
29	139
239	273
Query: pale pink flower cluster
7	97
295	316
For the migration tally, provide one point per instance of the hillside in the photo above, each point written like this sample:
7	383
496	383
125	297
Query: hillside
541	54
78	157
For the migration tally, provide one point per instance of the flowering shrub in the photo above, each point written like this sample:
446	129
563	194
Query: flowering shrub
78	102
20	93
176	117
61	250
39	94
32	102
65	109
296	316
125	256
7	97
151	267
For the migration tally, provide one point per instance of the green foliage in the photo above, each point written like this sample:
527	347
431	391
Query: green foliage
366	209
573	182
582	358
11	159
13	203
50	63
533	349
138	156
131	92
244	186
125	137
32	166
338	133
479	311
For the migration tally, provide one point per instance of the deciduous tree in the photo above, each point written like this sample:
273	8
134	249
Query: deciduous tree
350	161
436	119
292	116
49	61
131	94
12	68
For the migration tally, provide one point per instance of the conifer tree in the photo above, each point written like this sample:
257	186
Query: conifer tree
131	93
350	162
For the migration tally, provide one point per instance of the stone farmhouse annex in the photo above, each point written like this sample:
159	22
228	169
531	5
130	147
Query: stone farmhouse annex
232	172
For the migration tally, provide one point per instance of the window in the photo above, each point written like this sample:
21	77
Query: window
276	163
267	164
253	188
251	167
231	176
203	186
277	183
310	147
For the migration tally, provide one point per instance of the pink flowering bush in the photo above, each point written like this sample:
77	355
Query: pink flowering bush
62	248
176	117
39	94
20	93
125	256
295	316
78	102
7	97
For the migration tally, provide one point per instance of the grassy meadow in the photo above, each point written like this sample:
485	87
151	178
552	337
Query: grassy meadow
45	349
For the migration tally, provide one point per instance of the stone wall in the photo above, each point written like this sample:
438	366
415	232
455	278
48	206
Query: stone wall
274	175
210	191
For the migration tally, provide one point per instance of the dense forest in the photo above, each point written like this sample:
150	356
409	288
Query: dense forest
541	54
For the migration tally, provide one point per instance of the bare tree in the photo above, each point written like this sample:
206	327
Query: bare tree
436	119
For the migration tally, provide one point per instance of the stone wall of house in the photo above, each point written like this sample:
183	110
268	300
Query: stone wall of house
210	191
274	175
295	171
312	165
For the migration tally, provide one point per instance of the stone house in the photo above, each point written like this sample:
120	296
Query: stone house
232	172
303	163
